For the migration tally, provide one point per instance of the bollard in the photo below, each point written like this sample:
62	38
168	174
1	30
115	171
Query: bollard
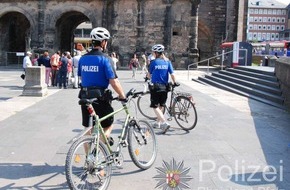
35	82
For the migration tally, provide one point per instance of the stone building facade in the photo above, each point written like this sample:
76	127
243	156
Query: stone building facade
187	28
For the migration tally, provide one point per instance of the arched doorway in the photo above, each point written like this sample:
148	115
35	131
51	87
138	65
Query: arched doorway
205	41
65	27
15	37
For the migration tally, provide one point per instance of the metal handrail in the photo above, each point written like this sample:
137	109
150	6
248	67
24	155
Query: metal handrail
188	67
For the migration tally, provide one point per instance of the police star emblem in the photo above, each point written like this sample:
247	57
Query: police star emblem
172	176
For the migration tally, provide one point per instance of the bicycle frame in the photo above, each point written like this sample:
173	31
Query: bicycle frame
97	129
172	98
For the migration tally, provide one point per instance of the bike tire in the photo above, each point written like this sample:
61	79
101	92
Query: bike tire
79	171
142	154
143	105
184	113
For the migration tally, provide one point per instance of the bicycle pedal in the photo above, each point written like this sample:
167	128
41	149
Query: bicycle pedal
119	160
124	143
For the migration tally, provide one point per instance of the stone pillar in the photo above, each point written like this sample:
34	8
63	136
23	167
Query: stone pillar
193	51
35	82
168	21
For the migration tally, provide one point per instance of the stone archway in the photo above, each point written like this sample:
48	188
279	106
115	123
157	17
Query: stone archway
15	30
65	27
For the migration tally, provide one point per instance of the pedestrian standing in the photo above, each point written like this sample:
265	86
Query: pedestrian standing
134	64
75	61
46	63
115	59
55	64
27	60
69	69
63	71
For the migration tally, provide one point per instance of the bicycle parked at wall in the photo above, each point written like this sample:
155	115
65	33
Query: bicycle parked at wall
181	106
89	160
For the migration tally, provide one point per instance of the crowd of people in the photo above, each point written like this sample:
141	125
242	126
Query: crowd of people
60	68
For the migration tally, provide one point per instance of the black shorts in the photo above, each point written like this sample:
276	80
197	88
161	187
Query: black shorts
102	108
158	99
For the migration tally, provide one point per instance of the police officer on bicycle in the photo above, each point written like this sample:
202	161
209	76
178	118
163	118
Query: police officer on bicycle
96	74
159	71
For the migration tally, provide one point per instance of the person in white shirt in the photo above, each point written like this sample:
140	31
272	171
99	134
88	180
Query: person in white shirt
75	61
115	59
27	61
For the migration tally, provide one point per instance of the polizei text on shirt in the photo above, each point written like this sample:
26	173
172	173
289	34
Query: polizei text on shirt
87	68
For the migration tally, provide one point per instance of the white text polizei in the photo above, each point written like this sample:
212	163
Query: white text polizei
90	68
161	66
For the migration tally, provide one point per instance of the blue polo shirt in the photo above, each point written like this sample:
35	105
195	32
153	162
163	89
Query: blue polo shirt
95	69
160	70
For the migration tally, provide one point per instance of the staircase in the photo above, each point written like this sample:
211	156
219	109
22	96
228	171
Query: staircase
258	83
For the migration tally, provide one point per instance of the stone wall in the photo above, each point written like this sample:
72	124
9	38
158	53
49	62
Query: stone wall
134	24
282	70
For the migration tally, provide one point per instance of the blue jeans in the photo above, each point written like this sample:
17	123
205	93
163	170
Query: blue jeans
62	78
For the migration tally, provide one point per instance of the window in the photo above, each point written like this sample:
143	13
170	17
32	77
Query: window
255	27
265	11
250	27
268	36
264	19
264	36
273	19
269	11
279	12
274	12
282	27
250	36
87	32
272	36
278	28
278	19
264	27
273	27
260	19
259	36
254	36
269	19
256	19
78	32
283	20
269	27
251	19
260	11
283	12
260	27
252	11
256	11
277	36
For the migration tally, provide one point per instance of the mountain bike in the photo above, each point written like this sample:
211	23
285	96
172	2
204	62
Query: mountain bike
181	106
90	158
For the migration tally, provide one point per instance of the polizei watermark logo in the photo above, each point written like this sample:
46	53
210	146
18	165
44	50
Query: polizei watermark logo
172	176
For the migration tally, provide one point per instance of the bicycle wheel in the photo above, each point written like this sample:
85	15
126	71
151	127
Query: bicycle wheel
184	113
81	172
143	104
142	145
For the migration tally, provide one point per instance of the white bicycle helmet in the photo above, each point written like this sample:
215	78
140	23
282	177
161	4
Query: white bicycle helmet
100	34
158	48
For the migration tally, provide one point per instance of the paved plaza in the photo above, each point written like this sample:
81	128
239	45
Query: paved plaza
238	143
